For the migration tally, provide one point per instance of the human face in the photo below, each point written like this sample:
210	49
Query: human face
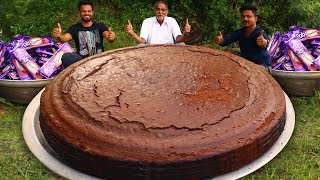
86	13
248	19
160	11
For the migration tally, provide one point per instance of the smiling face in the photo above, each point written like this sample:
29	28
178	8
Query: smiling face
248	18
160	11
86	12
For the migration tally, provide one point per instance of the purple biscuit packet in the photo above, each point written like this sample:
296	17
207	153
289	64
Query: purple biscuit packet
2	45
49	50
273	40
22	72
305	33
35	42
18	41
28	62
278	53
2	56
316	52
287	66
274	44
57	71
4	71
302	52
27	42
295	60
19	37
317	61
40	51
295	29
55	61
13	75
43	59
315	42
276	64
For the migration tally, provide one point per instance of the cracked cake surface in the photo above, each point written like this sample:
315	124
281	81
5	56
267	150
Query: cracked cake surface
165	103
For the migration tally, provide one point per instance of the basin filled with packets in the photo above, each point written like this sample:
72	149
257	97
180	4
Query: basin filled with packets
27	64
295	57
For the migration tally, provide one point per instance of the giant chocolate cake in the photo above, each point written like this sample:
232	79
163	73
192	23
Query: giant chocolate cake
162	112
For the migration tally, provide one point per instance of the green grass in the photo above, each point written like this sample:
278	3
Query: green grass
16	161
300	159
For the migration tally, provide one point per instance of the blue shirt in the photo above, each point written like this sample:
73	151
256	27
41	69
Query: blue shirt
248	45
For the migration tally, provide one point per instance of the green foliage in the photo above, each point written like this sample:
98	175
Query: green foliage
207	17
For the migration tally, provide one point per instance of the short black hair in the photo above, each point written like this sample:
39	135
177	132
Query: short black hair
85	3
251	7
163	2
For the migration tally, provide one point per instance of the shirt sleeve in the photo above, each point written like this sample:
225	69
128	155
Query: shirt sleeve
103	27
175	29
72	32
231	37
145	29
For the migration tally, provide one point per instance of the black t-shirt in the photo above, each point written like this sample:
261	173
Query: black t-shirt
88	40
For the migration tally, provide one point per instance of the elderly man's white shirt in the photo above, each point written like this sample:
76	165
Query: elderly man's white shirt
153	33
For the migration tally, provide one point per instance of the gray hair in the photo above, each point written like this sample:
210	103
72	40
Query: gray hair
163	2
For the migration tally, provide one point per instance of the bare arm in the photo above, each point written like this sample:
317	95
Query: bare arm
129	30
57	32
181	38
187	29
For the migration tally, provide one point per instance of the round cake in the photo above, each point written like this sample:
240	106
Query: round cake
162	112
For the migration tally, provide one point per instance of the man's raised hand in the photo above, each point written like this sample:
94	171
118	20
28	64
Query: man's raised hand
261	42
129	28
111	35
219	38
187	27
57	31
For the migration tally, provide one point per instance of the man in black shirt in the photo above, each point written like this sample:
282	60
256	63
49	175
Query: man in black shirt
87	35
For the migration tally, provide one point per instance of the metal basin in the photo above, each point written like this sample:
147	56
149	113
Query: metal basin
21	92
298	83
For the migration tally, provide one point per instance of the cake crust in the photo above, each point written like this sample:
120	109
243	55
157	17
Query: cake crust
182	110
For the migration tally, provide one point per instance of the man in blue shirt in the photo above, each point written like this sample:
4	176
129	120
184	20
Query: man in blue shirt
251	38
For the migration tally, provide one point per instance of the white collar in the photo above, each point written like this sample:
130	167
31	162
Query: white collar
164	21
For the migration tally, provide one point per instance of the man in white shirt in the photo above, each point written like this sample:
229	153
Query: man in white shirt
159	29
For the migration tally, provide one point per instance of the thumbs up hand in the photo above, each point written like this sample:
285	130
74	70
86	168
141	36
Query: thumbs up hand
261	42
219	38
129	28
187	27
57	31
111	35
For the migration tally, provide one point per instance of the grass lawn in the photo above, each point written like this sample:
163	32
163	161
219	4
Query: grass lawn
300	159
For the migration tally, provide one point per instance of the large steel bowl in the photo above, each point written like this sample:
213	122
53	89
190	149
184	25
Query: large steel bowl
21	91
298	83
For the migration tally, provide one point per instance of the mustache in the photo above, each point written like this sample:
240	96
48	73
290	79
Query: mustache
245	21
160	15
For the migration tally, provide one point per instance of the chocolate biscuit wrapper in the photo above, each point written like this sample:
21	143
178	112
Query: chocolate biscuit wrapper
27	62
4	71
21	71
303	34
302	52
55	62
295	60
